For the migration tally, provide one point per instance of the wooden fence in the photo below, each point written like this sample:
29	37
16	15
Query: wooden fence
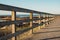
41	20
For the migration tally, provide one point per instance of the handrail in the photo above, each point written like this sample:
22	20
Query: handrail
18	9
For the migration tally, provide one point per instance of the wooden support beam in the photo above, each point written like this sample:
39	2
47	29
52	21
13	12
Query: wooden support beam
31	22
13	25
47	20
31	17
39	21
44	25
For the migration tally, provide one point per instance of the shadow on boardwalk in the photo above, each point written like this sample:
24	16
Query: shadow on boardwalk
51	38
47	32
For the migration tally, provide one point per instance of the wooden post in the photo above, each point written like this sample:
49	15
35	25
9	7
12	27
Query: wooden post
31	17
31	22
47	20
44	25
13	25
39	21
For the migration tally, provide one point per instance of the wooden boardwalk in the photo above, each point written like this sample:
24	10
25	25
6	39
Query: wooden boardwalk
52	32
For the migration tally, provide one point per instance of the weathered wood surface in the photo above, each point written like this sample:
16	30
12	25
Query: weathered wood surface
52	32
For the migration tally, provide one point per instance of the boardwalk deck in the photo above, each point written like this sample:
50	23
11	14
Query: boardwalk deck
52	32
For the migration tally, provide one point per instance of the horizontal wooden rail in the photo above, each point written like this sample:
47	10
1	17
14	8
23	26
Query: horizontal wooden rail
19	21
18	9
21	31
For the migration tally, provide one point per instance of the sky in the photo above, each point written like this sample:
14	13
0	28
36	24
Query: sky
49	6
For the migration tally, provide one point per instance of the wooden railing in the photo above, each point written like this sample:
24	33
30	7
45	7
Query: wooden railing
13	21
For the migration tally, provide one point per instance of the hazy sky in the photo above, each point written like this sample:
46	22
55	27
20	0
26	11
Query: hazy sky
50	6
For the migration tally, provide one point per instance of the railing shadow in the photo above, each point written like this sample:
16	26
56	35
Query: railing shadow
51	38
51	28
46	32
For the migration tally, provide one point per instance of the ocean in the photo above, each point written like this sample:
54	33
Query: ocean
21	15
